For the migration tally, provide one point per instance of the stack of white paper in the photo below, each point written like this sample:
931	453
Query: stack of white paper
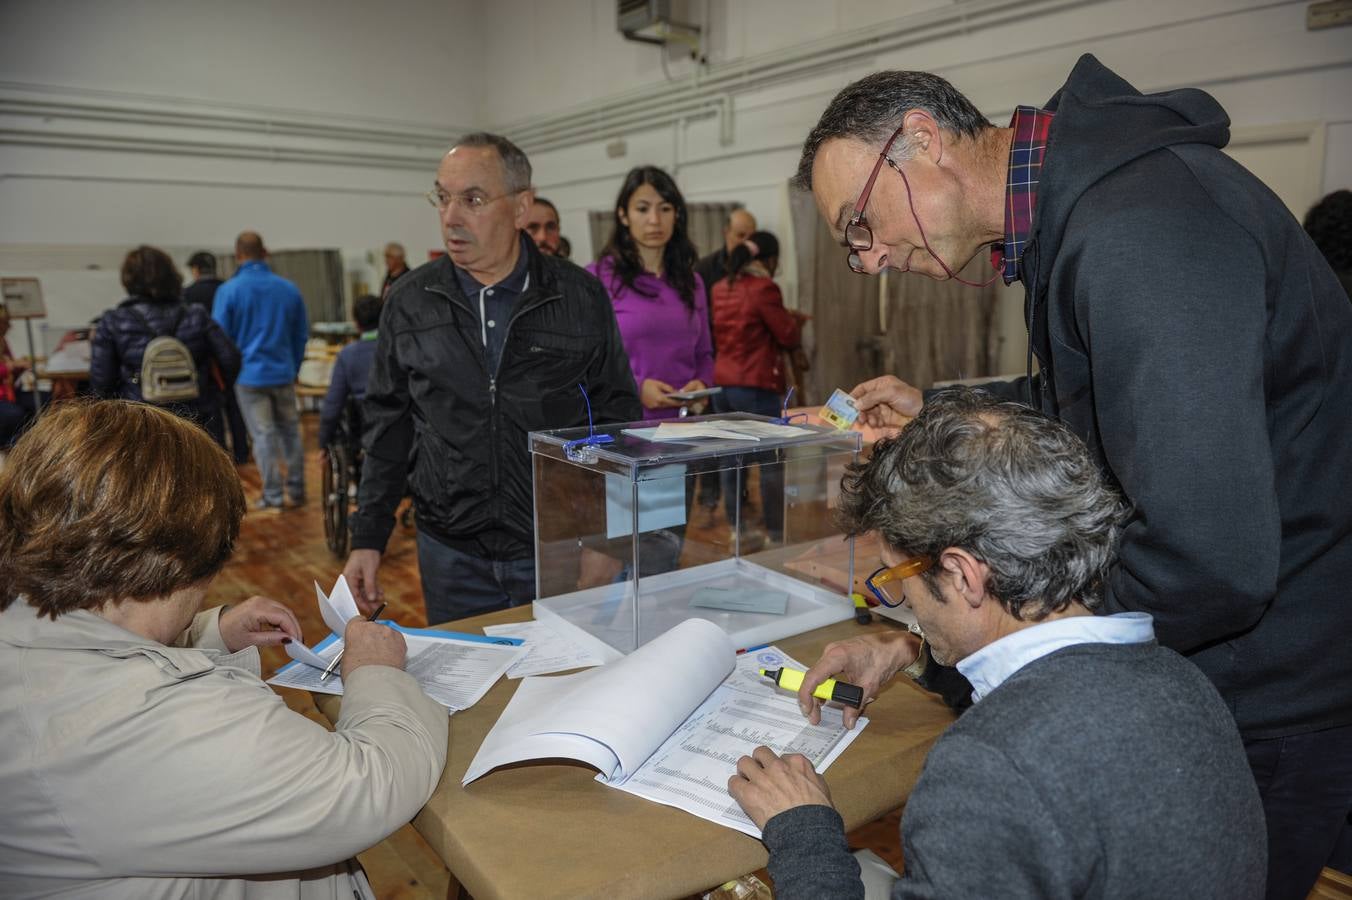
455	670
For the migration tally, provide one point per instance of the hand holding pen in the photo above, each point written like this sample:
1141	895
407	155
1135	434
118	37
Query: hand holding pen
333	664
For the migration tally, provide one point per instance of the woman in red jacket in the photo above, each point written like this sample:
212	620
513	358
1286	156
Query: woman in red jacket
751	330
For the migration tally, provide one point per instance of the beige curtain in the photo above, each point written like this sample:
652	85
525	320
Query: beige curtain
705	225
319	275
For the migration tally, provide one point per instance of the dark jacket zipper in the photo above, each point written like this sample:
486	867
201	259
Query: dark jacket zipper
493	424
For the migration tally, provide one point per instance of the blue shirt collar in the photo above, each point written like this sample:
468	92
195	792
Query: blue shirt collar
253	265
514	283
990	666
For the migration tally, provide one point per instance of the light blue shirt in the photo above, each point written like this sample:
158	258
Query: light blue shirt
988	667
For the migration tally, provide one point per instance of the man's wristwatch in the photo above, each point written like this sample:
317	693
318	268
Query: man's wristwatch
917	669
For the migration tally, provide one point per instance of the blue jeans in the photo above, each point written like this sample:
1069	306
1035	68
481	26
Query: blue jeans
456	584
762	403
1305	781
274	425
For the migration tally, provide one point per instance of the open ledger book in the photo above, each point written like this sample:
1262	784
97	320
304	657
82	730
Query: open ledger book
455	669
668	722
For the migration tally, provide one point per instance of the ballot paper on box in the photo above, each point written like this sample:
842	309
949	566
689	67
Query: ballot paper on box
667	723
455	669
698	430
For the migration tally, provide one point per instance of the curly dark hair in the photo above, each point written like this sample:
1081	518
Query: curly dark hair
679	257
1329	224
1014	488
149	272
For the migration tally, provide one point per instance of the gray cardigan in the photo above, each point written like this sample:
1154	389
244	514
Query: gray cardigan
1100	770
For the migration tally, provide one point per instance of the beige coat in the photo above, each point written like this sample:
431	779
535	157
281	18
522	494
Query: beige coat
129	769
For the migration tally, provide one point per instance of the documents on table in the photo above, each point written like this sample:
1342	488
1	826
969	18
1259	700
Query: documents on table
666	723
455	669
547	650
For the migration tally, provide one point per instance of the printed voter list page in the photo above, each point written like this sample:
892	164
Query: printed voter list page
690	770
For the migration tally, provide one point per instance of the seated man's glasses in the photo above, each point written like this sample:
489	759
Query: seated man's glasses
885	584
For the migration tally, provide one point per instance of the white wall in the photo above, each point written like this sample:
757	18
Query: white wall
182	122
319	123
1254	56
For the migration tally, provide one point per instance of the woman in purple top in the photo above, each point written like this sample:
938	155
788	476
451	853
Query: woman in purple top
648	269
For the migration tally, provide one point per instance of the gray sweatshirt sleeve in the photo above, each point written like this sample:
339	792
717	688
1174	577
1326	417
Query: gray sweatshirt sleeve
809	857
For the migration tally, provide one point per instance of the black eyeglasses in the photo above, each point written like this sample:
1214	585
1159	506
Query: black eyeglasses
858	236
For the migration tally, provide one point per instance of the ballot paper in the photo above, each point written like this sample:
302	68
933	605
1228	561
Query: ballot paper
548	650
750	601
689	433
752	430
690	709
455	669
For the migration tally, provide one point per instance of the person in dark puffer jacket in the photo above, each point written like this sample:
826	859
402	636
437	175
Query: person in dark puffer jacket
155	294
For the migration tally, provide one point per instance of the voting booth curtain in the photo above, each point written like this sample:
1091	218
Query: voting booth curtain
318	274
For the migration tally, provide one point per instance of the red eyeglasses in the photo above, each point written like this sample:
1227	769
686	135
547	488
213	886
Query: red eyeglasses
859	237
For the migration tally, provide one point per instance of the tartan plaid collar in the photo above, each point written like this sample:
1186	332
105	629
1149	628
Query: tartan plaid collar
1025	169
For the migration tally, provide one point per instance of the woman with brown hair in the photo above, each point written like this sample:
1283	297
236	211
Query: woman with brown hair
140	753
154	307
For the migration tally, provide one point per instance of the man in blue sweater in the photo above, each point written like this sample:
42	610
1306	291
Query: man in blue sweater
265	316
1093	763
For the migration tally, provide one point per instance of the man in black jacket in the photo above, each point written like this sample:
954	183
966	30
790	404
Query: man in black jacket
476	350
1190	332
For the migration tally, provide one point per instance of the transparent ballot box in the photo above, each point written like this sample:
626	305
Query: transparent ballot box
625	549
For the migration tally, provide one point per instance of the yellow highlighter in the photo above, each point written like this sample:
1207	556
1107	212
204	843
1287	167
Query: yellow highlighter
841	692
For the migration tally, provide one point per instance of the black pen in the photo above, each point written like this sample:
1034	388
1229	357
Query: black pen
339	658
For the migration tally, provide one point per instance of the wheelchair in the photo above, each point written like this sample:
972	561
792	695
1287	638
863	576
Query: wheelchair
340	478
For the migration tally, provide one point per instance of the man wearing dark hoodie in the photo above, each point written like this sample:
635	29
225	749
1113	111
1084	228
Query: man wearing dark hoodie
1190	332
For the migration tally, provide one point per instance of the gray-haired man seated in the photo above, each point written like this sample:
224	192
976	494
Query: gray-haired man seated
1093	763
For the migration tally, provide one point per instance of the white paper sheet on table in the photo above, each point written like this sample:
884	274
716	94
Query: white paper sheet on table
666	723
455	670
547	650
